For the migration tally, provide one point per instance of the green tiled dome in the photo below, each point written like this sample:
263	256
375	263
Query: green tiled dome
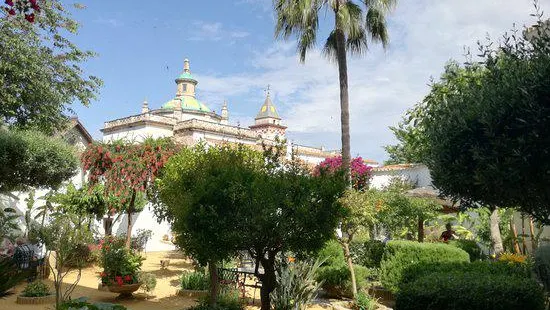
186	103
186	75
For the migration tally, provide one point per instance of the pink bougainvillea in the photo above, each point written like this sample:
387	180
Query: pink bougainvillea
360	173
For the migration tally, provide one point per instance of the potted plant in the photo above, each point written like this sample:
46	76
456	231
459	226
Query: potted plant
36	293
121	266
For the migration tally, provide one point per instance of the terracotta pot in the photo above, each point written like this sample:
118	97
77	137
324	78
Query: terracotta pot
48	299
124	290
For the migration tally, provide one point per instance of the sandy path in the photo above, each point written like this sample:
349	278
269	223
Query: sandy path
163	297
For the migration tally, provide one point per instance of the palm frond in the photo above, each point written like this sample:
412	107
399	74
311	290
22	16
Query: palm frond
329	50
376	26
350	20
383	5
299	18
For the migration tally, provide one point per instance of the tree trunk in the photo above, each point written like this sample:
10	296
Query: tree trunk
344	100
214	283
496	239
347	254
514	236
268	279
523	244
534	240
129	229
420	229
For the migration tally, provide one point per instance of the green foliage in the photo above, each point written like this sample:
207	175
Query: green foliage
495	111
399	255
148	281
30	159
542	266
415	271
336	280
296	285
120	264
227	300
36	289
364	302
83	304
332	254
8	222
470	246
195	280
84	201
10	275
40	70
368	253
454	290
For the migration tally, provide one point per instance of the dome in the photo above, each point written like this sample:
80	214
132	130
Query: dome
186	76
268	110
186	103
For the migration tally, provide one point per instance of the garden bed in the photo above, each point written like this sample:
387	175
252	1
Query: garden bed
35	300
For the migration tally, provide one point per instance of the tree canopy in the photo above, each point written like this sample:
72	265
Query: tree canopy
483	129
223	200
40	69
31	159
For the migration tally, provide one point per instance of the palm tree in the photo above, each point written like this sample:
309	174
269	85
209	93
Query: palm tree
353	30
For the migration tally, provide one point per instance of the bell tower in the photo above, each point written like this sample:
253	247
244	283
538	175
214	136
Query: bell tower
267	122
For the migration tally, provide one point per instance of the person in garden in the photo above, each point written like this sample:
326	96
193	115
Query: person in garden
448	234
6	248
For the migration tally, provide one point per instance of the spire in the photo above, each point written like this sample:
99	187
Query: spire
225	113
186	65
268	109
145	106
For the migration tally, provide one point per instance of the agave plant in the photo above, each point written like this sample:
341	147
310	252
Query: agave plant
296	285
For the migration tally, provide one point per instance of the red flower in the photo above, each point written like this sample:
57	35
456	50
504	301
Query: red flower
33	2
118	280
103	274
9	2
35	7
29	17
11	11
128	278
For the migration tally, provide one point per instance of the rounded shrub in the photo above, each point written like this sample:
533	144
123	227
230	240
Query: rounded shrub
399	255
368	253
336	280
456	290
470	246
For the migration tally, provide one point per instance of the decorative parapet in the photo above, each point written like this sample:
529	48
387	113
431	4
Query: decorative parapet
397	167
218	129
149	117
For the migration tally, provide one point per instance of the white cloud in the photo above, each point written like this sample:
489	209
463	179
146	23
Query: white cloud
113	22
204	31
383	84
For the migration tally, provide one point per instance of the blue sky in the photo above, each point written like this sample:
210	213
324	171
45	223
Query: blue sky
230	44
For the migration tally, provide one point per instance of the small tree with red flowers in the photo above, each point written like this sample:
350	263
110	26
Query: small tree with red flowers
357	212
127	171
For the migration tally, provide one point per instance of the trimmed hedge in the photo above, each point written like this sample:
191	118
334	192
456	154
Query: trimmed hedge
474	290
399	255
368	253
470	246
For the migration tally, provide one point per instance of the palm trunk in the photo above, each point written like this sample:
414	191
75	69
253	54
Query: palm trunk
344	100
496	238
350	267
214	283
420	229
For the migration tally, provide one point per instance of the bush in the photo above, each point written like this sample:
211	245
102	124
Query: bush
10	275
148	280
296	286
368	253
470	246
336	280
399	255
364	302
454	290
36	289
83	304
195	280
413	272
512	258
332	254
227	300
81	254
542	265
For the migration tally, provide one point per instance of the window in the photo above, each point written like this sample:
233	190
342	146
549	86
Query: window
184	88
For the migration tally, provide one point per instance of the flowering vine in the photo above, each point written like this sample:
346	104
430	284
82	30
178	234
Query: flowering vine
360	173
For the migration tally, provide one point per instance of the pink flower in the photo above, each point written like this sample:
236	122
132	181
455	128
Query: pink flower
9	2
29	17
